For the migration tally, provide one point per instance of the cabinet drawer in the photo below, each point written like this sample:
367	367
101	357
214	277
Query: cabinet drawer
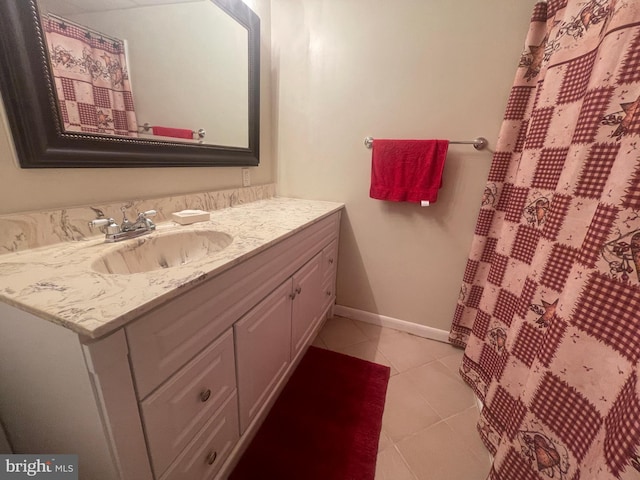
165	339
204	456
330	259
177	410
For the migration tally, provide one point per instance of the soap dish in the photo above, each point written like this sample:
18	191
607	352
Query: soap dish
187	217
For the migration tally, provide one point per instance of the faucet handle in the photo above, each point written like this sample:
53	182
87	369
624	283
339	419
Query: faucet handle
145	218
100	222
108	225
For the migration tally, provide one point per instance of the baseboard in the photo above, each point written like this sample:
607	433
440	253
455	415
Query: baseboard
395	323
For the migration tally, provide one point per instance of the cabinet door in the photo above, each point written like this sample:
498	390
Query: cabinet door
263	339
307	304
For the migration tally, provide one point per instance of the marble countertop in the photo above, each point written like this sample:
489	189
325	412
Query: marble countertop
58	284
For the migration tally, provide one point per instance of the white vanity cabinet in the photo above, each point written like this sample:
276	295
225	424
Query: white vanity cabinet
273	334
179	392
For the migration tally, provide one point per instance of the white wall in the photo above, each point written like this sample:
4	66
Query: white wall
25	190
346	69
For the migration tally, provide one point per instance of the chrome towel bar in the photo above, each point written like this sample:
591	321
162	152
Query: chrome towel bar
479	143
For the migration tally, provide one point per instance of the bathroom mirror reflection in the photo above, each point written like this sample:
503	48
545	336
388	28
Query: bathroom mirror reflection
131	82
161	70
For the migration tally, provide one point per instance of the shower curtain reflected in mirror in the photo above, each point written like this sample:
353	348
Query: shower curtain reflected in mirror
91	79
549	309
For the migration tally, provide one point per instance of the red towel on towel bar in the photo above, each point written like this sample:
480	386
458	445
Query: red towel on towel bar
407	170
173	132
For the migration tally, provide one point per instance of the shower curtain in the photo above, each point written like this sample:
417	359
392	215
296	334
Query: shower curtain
549	309
91	80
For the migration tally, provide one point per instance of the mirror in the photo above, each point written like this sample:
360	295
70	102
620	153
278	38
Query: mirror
191	79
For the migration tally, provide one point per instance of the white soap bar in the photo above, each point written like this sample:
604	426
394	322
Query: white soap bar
187	217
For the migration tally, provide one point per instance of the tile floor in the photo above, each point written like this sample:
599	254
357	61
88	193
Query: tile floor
428	427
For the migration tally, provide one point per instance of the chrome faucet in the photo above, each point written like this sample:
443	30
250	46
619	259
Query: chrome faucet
115	233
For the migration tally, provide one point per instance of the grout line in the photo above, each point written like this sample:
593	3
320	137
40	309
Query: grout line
378	353
342	346
463	444
456	376
488	455
404	460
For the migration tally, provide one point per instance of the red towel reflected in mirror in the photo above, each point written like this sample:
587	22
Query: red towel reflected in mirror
173	132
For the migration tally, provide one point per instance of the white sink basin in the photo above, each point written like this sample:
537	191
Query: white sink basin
158	251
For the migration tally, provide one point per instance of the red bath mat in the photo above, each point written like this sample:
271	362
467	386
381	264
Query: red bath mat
324	426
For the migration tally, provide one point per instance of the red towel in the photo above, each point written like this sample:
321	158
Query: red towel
173	132
407	170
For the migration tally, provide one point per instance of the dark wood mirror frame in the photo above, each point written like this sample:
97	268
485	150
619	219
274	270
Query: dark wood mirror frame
31	106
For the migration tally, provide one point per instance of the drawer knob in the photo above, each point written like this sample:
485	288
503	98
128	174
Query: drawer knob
212	457
204	395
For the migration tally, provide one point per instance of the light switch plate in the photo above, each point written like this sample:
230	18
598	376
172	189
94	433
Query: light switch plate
246	177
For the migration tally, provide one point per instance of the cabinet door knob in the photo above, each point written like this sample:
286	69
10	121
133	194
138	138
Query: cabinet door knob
292	296
298	290
212	457
204	395
330	261
328	293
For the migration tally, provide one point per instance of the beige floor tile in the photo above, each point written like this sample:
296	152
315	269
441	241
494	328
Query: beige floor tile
464	426
442	389
341	332
405	411
391	466
375	332
438	349
436	453
406	351
453	362
318	342
442	349
384	442
367	350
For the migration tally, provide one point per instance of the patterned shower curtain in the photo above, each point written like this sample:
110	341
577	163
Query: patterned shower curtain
90	74
549	309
